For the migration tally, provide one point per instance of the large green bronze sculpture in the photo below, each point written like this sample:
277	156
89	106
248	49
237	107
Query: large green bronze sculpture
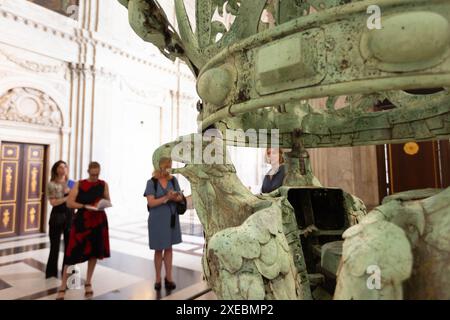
259	75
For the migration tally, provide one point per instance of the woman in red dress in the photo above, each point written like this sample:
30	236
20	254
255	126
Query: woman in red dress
89	238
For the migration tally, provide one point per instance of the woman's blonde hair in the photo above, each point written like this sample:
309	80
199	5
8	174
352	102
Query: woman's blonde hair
158	173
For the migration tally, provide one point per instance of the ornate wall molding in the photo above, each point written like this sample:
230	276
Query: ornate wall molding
83	37
31	106
186	97
33	65
123	82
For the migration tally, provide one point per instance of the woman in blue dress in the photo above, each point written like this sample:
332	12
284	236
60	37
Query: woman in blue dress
162	192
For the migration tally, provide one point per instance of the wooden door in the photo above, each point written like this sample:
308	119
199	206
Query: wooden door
21	188
33	185
413	165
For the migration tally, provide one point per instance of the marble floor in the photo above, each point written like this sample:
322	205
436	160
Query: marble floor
127	275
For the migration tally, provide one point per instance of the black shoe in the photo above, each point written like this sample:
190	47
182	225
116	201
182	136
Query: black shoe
158	286
169	284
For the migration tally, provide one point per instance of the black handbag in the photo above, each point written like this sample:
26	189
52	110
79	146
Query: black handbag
181	206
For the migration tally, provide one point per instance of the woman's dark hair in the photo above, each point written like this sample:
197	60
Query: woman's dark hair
54	171
94	165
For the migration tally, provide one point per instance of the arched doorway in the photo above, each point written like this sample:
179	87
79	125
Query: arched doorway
30	135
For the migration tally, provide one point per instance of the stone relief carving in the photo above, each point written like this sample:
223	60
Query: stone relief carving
30	105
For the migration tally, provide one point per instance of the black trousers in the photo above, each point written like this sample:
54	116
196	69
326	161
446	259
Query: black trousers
60	222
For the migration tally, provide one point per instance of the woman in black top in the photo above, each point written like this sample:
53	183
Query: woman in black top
274	178
60	217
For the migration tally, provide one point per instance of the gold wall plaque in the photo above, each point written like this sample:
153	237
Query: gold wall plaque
411	148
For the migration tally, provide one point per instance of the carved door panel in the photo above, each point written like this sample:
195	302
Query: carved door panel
32	182
9	188
21	188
